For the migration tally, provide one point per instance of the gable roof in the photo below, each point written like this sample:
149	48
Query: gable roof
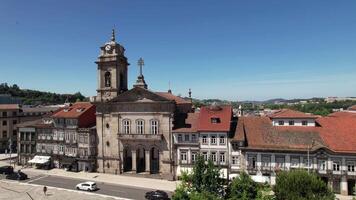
186	123
224	113
73	111
260	134
170	96
138	94
338	130
287	113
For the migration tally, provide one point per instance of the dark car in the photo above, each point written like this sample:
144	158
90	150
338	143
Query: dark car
157	195
6	170
17	176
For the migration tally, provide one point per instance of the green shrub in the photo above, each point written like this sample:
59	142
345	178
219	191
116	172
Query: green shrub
299	185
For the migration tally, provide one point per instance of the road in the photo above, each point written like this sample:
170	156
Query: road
104	188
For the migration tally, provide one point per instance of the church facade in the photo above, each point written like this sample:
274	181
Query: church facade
134	126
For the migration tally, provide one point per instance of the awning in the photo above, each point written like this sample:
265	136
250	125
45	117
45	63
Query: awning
40	159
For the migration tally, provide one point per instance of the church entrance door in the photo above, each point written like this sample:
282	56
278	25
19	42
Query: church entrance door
127	160
154	154
140	160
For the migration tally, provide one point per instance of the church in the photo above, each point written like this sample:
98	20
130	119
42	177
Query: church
134	126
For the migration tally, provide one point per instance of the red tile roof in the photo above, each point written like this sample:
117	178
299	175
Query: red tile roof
338	130
186	123
224	113
170	96
260	134
9	106
287	113
73	111
353	108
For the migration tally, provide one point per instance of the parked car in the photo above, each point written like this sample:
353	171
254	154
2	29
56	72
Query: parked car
156	195
6	170
87	186
17	176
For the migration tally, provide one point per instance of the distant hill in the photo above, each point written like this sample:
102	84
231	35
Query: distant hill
35	97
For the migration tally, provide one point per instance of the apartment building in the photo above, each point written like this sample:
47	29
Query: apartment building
9	118
65	139
206	133
322	145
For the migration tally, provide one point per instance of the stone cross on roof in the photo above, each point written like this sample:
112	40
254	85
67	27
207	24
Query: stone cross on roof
140	63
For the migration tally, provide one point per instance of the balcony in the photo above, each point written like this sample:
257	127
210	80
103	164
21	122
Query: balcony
252	169
189	142
149	137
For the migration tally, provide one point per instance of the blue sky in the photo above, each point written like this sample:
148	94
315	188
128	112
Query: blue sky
236	50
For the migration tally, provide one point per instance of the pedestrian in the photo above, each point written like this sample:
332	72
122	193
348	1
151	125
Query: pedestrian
45	190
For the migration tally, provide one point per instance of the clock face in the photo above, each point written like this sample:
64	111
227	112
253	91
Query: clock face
107	47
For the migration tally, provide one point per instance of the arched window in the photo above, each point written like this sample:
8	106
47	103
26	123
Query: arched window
154	127
107	79
140	126
126	124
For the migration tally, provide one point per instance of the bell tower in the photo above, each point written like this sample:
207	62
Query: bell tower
112	70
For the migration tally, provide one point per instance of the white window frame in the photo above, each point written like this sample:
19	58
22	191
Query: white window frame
213	156
213	140
336	165
154	127
126	125
350	166
222	157
204	139
222	140
184	156
235	160
140	126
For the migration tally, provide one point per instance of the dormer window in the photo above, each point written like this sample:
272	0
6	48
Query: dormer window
215	120
291	123
80	109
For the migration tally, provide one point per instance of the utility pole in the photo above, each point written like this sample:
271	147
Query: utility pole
10	148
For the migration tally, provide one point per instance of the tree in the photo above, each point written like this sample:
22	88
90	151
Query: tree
242	188
299	185
203	183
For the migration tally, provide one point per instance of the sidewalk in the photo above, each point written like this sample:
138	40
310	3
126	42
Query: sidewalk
147	183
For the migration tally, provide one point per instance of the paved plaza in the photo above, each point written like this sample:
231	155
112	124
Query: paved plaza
23	191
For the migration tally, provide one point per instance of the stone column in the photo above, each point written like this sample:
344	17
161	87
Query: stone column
147	160
258	163
133	160
343	186
287	160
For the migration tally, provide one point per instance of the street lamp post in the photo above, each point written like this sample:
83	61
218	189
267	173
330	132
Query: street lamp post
309	147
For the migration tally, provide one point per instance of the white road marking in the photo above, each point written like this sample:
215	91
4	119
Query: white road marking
36	179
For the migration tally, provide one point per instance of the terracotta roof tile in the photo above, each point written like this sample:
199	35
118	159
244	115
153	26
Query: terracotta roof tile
353	108
186	123
336	132
170	96
260	134
287	113
339	131
223	113
73	111
9	106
